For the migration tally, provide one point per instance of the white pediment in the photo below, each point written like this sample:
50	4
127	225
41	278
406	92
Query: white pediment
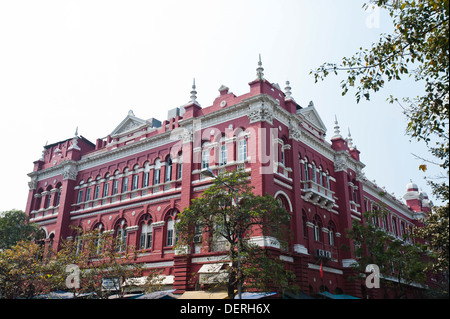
129	123
311	116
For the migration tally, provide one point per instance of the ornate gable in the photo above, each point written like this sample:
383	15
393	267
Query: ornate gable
311	116
129	123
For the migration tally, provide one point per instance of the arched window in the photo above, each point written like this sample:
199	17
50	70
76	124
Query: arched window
125	180
48	198
317	228
223	152
146	230
99	228
205	155
331	233
145	182
242	147
328	184
168	168
157	175
180	166
171	237
306	169
121	236
314	172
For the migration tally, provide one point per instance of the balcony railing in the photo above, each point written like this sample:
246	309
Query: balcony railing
318	194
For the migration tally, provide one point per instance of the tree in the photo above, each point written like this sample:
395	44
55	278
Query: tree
418	46
401	262
229	212
96	256
14	227
25	273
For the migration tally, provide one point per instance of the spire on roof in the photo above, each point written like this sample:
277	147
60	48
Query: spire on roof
260	69
337	132
194	93
349	140
288	91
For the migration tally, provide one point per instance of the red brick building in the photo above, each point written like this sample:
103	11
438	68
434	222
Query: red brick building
134	182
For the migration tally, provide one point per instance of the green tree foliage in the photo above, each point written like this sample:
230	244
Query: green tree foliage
417	47
229	212
401	262
15	227
25	273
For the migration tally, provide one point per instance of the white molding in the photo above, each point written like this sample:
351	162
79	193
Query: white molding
327	269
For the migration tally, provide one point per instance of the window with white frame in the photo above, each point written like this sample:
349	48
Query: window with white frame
121	237
242	148
157	175
168	168
97	191
105	189
135	184
314	172
223	155
80	196
170	232
205	156
146	235
306	169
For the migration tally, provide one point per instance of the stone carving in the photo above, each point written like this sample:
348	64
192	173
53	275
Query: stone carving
70	172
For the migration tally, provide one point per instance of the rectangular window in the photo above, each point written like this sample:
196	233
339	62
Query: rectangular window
316	233
146	176
331	237
135	182
180	170
223	155
125	184
88	194
115	187
205	159
168	172
148	244
97	192
106	189
157	177
242	150
80	196
170	237
58	198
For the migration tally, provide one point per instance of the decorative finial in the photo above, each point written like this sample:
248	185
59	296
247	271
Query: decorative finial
260	69
193	93
337	132
130	113
75	141
288	91
349	140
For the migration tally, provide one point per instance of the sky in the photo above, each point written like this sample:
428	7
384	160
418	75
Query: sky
68	64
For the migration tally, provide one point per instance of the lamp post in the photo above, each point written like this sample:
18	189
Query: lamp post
209	173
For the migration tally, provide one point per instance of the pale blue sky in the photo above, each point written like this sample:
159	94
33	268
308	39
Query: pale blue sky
65	64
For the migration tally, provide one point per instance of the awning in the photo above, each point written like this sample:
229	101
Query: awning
212	274
255	295
163	294
204	295
298	295
326	294
210	268
140	281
